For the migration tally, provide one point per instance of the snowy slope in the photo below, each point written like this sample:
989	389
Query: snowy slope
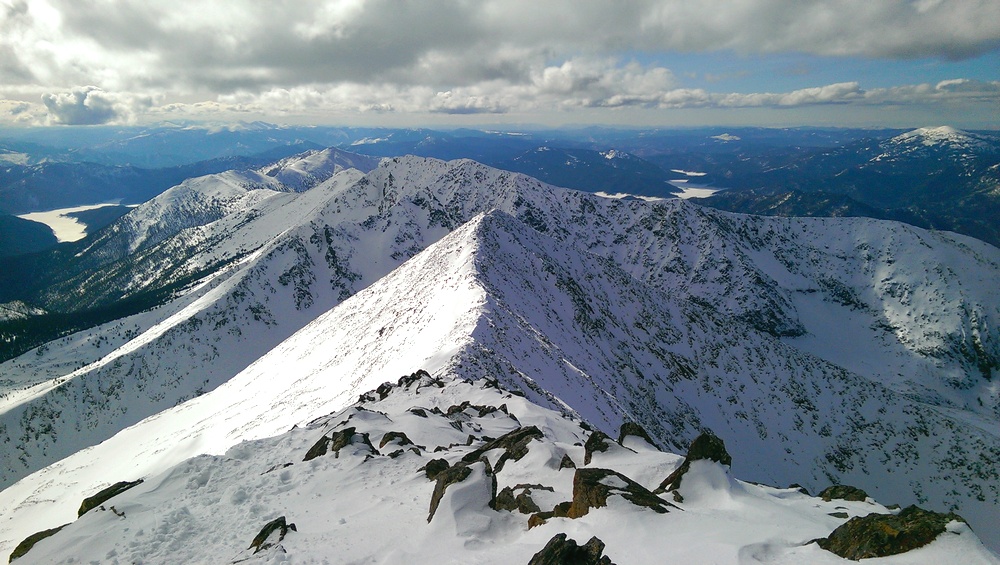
370	503
304	171
574	332
195	202
923	303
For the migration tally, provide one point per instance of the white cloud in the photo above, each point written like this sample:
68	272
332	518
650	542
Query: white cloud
89	105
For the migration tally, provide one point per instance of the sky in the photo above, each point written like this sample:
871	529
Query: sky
867	63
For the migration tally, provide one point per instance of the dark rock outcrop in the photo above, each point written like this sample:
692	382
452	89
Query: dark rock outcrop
880	535
337	441
30	542
634	429
456	474
843	492
563	551
592	487
106	494
706	447
433	467
566	462
506	500
514	444
279	525
598	441
390	436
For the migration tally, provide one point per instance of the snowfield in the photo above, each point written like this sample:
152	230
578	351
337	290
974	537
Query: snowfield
821	350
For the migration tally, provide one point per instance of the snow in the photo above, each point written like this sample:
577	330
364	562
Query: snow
65	227
356	507
611	309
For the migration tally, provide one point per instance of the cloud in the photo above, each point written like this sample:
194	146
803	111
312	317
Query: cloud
351	57
89	105
226	47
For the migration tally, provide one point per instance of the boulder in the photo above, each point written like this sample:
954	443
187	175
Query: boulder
456	474
390	436
514	444
337	441
104	495
843	492
706	446
881	535
634	429
592	487
433	467
598	441
279	525
563	551
31	540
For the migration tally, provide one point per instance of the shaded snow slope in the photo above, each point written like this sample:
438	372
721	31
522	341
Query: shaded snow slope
577	333
370	500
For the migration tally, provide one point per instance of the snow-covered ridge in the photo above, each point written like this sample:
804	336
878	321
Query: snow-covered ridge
924	303
433	470
576	333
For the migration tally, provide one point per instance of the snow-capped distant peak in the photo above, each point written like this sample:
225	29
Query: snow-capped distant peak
614	154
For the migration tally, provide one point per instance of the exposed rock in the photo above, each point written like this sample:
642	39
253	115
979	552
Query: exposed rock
800	488
383	390
259	542
592	487
419	412
390	436
31	540
634	429
843	492
566	462
105	494
433	467
337	441
563	551
514	444
598	441
456	474
706	446
880	535
407	380
522	502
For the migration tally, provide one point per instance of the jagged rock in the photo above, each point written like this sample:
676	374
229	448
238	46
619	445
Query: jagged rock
514	444
592	487
843	492
433	467
566	462
706	446
383	390
523	503
30	542
390	436
407	380
337	441
598	441
104	495
563	551
259	542
880	535
456	474
634	429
